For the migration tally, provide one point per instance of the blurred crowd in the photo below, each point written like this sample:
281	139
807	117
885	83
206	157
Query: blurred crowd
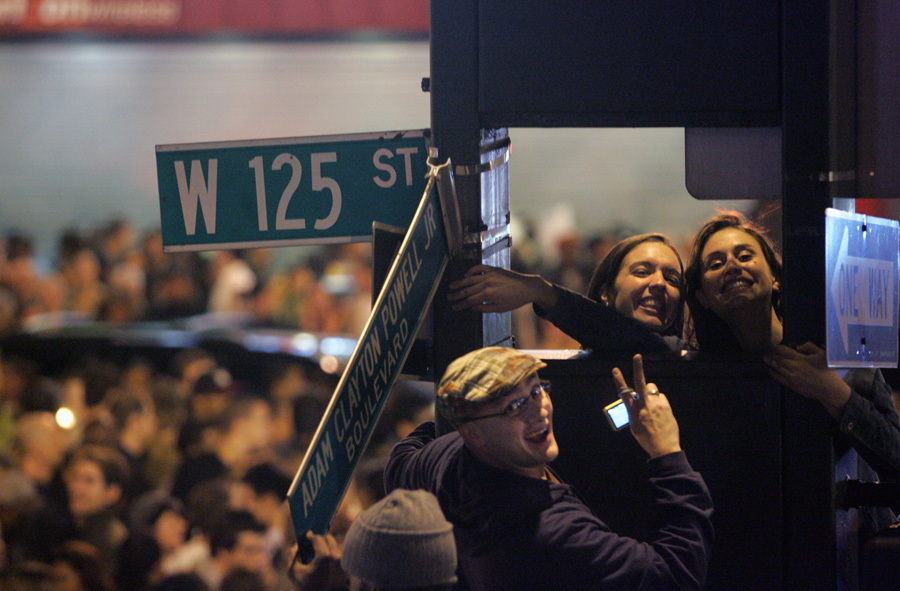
115	274
136	477
130	476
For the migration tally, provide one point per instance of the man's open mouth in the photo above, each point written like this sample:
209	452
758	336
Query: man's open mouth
538	436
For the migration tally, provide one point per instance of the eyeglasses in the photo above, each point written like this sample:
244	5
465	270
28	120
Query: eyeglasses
515	408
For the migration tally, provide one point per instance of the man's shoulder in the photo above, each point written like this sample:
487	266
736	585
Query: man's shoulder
426	435
421	456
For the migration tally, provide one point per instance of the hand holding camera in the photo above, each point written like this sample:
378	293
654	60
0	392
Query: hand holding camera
650	415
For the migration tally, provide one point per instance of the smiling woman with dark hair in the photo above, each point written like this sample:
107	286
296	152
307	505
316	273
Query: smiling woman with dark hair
633	305
714	294
733	293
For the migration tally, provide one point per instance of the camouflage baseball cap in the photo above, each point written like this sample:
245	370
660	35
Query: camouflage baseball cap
481	376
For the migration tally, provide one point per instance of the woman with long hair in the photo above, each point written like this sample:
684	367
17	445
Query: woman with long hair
733	292
733	287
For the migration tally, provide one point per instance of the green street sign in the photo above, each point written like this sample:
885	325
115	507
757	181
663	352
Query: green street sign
349	420
284	192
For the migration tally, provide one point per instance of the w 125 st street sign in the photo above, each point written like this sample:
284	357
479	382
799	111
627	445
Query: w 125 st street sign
862	259
310	190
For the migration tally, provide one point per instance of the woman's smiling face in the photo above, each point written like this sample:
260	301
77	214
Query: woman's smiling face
734	272
648	286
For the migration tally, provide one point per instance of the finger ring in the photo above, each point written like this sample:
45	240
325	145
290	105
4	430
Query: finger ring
653	391
631	391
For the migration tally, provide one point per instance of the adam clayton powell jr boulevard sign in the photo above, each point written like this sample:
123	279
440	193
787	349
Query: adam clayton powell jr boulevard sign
376	362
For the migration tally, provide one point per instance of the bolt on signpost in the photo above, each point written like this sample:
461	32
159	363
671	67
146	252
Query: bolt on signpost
374	366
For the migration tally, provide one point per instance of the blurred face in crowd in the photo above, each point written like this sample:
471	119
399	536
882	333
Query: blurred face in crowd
89	493
648	286
170	531
523	443
249	552
734	274
258	426
43	441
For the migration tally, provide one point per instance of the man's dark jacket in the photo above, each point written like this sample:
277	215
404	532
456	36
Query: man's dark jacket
518	533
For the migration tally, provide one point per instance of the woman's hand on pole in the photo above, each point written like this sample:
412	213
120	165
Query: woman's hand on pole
491	289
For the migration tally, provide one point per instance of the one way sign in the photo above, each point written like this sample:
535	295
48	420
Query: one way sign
862	260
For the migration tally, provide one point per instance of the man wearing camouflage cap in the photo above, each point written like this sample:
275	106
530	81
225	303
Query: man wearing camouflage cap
516	525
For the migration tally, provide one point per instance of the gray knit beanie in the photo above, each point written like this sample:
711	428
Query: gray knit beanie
403	540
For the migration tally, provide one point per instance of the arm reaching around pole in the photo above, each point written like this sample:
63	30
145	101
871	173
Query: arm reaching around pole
492	289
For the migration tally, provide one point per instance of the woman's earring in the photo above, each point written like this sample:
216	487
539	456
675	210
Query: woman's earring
604	297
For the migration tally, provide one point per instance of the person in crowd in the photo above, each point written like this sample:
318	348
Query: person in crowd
19	501
37	292
83	289
231	279
208	503
134	418
158	529
401	542
24	388
267	486
210	396
113	241
286	381
733	292
356	305
516	525
86	509
9	310
571	270
39	447
126	298
296	299
236	541
175	282
242	437
188	366
77	566
307	410
633	303
95	477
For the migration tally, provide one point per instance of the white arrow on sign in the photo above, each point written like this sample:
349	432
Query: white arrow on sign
861	290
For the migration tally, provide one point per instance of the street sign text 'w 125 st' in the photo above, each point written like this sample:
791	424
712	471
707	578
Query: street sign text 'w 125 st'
282	192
